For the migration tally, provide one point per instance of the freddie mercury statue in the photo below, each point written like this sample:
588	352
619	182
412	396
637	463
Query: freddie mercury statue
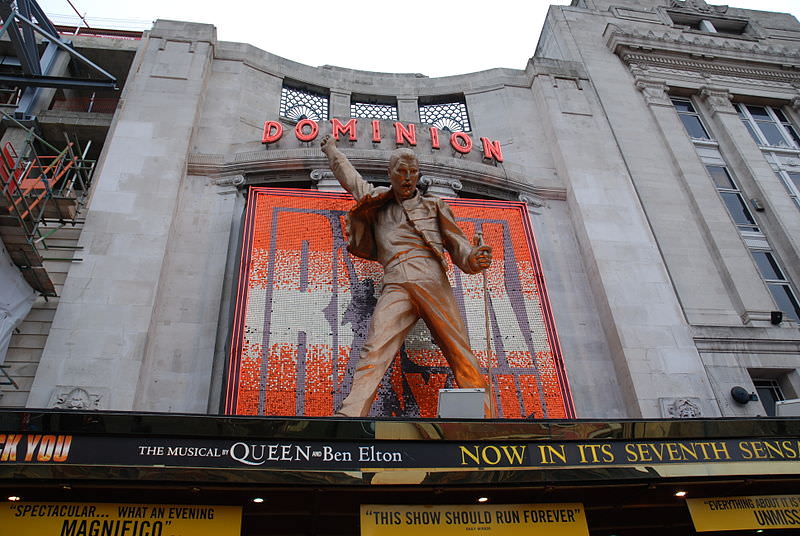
408	233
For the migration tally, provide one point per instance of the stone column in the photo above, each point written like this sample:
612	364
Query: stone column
108	309
652	348
720	237
407	109
340	103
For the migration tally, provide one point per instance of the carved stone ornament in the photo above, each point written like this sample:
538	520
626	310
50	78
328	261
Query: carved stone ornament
654	91
700	6
233	180
532	200
325	181
321	174
78	398
680	408
440	186
431	180
718	99
796	104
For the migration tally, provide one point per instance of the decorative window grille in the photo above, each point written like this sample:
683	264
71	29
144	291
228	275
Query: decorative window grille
769	126
369	110
299	104
449	116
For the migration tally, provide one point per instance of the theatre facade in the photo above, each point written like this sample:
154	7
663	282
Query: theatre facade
185	317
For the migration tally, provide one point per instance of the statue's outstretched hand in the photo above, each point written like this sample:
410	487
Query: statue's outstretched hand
327	144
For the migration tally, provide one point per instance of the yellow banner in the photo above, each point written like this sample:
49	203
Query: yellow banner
565	519
742	513
97	519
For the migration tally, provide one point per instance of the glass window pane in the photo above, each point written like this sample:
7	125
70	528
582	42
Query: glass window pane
779	115
795	178
766	265
793	134
752	132
786	300
721	177
767	396
759	113
772	134
694	127
683	106
737	208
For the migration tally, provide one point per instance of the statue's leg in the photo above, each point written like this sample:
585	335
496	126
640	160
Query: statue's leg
394	316
439	310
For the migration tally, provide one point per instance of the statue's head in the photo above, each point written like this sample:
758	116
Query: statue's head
404	173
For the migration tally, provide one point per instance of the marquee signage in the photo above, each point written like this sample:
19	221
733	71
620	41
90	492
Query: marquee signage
743	513
559	519
36	449
98	519
307	130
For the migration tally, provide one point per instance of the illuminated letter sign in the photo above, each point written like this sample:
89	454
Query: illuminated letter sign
492	150
307	130
298	130
466	142
272	132
403	134
349	129
376	131
434	138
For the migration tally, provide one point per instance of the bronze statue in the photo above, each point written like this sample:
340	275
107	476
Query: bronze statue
408	233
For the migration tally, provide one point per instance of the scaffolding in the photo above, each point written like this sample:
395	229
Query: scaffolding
43	190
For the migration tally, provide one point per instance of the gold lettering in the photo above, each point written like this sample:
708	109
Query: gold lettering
720	448
608	455
549	453
631	453
746	453
515	456
673	452
486	458
643	455
686	450
474	456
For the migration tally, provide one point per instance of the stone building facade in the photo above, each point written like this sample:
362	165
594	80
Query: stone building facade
655	143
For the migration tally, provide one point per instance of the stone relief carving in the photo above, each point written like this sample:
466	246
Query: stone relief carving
431	180
325	181
70	397
654	91
718	99
699	6
233	180
680	408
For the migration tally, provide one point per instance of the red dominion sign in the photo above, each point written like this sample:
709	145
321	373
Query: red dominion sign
307	130
304	305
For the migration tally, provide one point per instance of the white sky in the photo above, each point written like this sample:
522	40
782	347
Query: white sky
432	37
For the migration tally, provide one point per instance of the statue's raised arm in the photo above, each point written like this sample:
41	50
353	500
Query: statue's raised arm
343	170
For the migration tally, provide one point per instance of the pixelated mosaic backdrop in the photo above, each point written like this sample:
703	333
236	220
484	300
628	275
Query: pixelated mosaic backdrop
304	305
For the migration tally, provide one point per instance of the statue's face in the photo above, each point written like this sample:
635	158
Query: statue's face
404	175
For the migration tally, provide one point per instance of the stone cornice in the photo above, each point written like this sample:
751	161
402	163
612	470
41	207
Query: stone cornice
255	165
709	55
